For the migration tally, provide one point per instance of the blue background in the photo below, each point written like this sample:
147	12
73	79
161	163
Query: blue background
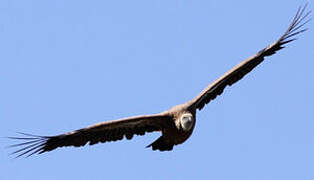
65	65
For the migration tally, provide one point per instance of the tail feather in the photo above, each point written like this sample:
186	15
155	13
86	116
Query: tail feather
161	145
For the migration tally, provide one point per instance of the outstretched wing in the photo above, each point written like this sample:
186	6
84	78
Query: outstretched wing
236	73
101	132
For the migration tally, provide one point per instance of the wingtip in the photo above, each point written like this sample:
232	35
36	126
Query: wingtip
32	144
296	27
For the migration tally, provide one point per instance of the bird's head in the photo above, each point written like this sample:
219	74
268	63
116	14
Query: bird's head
187	121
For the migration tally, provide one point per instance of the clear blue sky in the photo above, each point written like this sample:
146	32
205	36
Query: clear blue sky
65	65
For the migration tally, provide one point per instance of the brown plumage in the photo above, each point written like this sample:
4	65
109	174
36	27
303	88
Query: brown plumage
176	124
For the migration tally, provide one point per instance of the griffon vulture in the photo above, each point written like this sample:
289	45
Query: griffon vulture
176	124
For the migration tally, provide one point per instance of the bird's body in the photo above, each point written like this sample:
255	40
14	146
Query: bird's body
177	134
175	124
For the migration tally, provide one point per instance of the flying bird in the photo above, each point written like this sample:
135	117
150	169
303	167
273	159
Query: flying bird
176	124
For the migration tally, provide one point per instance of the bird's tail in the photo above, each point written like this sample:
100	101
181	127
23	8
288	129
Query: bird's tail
161	145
